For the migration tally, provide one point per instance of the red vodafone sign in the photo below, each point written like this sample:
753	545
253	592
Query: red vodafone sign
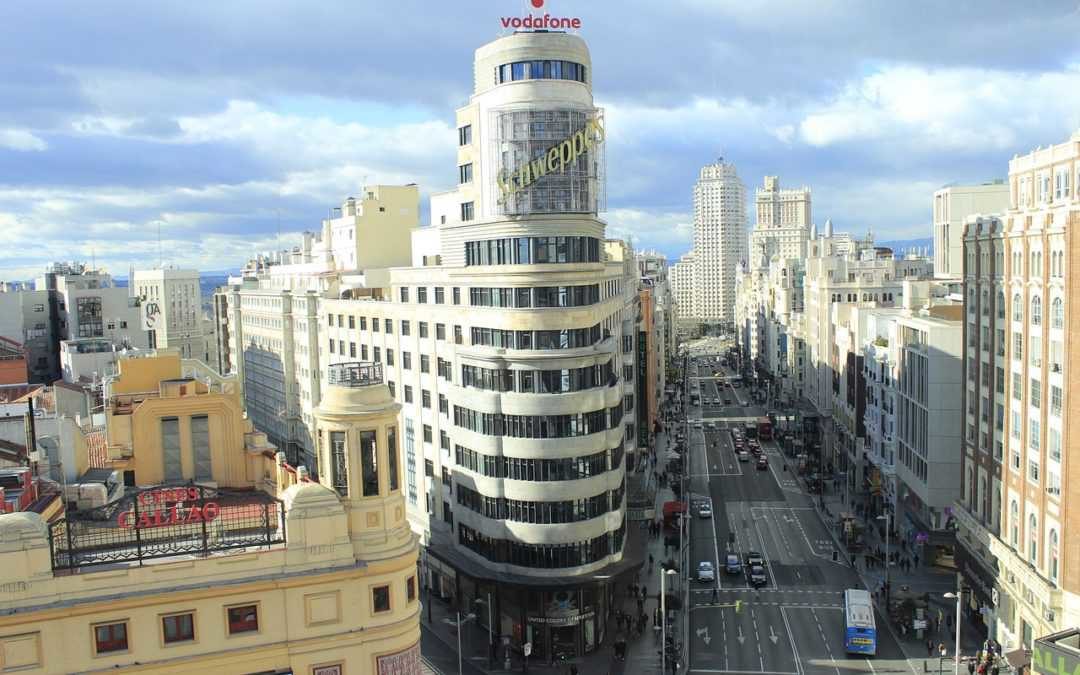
541	21
164	507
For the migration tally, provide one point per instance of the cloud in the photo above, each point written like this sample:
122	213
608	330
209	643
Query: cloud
21	140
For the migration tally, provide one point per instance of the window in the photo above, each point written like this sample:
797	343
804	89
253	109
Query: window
421	294
457	335
1036	311
408	393
1018	308
1033	539
376	354
352	350
1033	434
110	637
465	173
464	135
425	363
352	322
444	405
392	457
178	628
410	589
243	619
440	331
405	328
1018	347
404	293
388	326
339	468
440	295
1052	556
380	599
427	433
390	356
1033	470
1057	313
406	360
200	445
375	324
1055	400
1014	524
1036	394
423	329
467	212
369	463
425	398
170	448
456	295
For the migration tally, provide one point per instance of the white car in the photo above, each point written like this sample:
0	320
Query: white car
705	511
697	424
705	571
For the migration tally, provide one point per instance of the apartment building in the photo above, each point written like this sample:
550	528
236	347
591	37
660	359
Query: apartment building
720	241
682	288
951	207
783	221
1018	497
223	559
177	322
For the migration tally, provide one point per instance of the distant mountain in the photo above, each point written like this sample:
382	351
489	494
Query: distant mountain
901	245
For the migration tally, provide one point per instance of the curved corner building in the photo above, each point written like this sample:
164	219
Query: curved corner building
518	319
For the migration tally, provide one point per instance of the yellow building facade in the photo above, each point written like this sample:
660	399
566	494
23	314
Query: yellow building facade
264	571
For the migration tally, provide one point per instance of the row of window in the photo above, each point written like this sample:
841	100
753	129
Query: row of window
539	70
539	296
542	556
540	470
561	381
422	297
541	513
567	338
369	461
532	250
538	426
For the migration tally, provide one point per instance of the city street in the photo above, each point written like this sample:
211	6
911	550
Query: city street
794	622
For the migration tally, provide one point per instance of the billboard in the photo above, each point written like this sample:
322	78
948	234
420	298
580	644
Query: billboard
150	313
547	161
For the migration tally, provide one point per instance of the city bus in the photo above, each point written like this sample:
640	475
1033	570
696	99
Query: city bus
695	399
860	635
764	428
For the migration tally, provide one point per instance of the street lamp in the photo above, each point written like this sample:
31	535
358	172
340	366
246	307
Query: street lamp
957	595
461	620
663	618
491	637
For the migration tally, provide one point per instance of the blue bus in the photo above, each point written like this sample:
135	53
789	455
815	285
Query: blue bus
860	634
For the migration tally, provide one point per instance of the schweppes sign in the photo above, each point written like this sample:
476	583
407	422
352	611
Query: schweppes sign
554	160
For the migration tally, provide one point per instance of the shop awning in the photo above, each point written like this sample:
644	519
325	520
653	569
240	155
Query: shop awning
1018	658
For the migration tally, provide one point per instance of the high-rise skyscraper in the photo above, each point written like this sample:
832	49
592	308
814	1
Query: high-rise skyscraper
719	240
783	223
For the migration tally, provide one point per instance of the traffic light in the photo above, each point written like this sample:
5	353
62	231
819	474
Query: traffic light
738	606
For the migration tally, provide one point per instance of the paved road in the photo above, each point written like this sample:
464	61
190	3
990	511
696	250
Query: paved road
794	624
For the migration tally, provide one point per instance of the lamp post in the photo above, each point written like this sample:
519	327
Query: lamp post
491	636
458	624
663	618
958	594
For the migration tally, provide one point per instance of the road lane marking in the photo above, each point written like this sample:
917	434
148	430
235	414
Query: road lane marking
825	641
791	640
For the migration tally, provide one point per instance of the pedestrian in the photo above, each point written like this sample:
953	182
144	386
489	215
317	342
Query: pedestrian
929	647
971	666
715	596
650	560
916	560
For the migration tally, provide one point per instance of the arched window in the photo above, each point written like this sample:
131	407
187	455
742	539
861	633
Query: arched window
1014	524
1057	313
1033	539
1036	311
1053	556
1018	308
1001	305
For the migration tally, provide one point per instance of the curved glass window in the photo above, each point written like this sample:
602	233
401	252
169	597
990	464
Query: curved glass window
539	70
540	513
567	338
537	296
547	556
538	426
532	250
539	381
536	470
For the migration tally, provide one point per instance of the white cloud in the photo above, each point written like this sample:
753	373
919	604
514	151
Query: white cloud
650	229
964	109
21	140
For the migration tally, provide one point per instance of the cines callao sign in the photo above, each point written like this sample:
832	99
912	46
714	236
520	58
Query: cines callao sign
541	21
552	161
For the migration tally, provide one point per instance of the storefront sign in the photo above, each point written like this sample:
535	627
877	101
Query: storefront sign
541	22
553	161
155	509
1049	659
569	620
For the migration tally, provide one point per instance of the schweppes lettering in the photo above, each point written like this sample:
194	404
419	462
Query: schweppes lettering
554	160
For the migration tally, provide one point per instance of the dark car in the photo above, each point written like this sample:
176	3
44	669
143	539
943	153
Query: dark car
762	463
732	565
757	576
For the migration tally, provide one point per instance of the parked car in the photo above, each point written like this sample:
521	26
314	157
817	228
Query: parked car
705	571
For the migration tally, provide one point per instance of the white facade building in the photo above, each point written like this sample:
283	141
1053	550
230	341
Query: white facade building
783	223
720	241
952	206
178	297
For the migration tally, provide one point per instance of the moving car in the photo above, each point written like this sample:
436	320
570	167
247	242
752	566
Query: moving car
705	510
705	571
757	576
754	558
762	462
727	401
716	401
732	564
742	455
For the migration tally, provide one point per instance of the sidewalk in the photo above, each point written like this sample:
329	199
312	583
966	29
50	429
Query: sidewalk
642	655
933	581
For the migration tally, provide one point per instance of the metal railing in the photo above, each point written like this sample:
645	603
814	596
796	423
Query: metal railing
355	374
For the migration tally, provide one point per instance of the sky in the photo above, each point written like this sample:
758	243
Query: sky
231	127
